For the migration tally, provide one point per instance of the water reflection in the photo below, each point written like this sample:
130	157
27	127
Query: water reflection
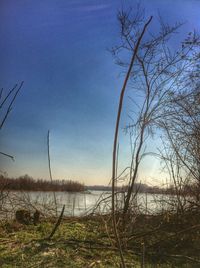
79	204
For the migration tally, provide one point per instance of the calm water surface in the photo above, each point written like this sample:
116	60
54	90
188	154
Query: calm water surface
78	204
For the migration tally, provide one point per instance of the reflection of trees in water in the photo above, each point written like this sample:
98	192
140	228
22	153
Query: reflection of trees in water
78	204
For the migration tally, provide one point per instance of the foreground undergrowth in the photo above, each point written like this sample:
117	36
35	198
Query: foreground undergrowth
79	242
164	241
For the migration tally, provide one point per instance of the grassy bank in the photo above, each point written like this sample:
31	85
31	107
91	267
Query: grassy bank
77	243
85	242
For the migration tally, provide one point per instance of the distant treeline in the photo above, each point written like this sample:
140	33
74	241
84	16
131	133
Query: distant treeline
26	183
192	189
139	187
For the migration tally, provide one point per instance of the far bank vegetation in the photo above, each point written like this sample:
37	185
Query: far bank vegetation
26	183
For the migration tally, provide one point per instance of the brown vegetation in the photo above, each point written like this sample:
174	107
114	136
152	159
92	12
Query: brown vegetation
24	216
27	183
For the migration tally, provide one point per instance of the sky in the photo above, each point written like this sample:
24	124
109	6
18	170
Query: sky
59	48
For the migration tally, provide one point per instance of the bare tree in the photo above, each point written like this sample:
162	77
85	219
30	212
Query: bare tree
133	58
182	126
154	75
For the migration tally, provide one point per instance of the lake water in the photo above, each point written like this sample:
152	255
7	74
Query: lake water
77	204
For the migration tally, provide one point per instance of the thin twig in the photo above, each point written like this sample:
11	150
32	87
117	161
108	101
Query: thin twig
57	224
116	138
8	155
11	103
50	173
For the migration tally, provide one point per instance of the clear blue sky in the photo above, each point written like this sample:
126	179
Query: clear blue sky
71	84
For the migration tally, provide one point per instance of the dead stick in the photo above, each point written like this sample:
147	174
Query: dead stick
57	224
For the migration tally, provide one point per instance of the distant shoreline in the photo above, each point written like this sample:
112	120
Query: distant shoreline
28	184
